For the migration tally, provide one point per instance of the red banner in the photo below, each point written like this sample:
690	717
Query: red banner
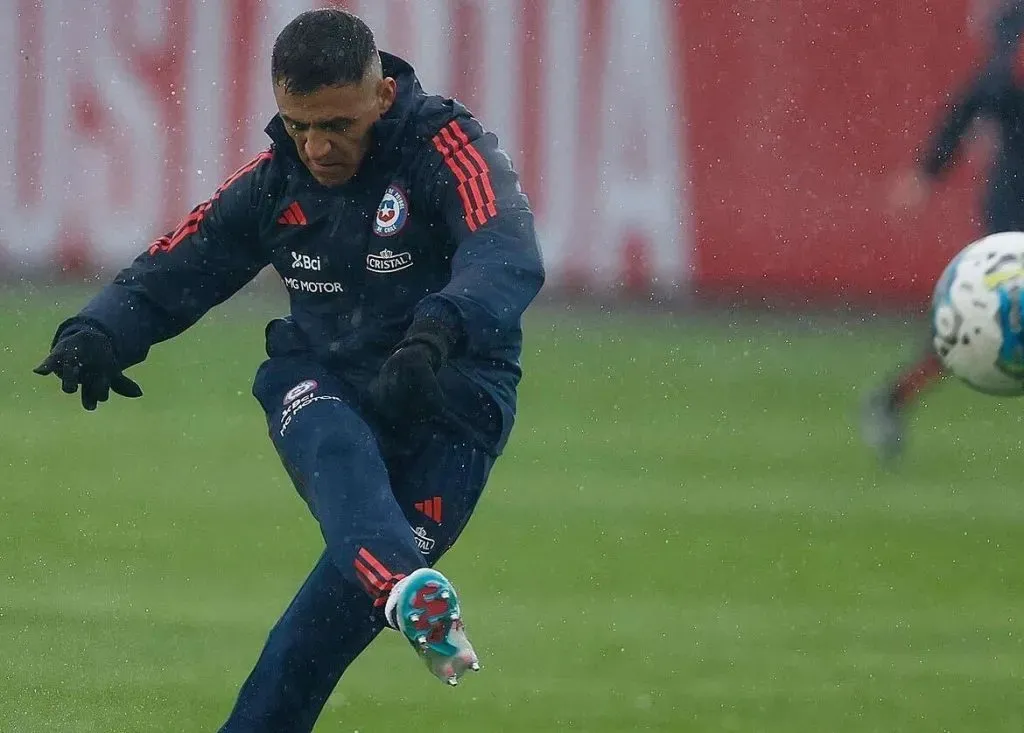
743	146
800	114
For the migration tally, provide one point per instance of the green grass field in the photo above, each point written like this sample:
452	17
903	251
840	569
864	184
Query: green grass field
685	534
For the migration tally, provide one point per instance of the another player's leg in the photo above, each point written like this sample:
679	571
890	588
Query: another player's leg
328	624
884	412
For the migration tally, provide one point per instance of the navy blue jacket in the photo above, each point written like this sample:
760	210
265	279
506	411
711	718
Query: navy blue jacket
434	223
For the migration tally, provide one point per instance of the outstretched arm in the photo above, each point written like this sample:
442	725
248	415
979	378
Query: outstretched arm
209	256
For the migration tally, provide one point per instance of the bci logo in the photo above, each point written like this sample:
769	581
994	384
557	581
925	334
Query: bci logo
305	262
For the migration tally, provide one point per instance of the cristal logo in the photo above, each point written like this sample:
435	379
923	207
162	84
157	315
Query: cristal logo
426	544
388	261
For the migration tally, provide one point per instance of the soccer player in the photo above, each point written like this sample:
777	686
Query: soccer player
996	94
409	253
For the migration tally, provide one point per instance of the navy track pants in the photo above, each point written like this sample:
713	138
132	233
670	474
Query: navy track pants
387	502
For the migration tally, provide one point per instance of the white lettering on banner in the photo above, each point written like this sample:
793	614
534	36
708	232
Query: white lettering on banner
640	184
206	89
423	36
118	140
32	148
148	25
135	97
432	44
497	96
559	156
272	18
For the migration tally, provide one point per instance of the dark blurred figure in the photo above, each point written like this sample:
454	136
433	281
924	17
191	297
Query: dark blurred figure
995	96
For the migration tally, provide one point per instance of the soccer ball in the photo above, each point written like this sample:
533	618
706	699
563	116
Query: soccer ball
976	315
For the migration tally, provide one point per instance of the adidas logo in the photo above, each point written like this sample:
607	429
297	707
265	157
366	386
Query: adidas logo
293	215
431	508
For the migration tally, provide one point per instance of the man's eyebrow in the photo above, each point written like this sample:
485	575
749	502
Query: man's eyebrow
320	123
336	121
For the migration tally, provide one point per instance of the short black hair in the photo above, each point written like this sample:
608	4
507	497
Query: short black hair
319	48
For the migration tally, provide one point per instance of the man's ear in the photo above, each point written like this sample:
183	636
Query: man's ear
387	90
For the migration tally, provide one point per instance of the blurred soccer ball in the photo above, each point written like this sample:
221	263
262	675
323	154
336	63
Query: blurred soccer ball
976	315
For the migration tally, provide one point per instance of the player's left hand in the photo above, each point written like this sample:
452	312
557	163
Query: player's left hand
85	358
406	388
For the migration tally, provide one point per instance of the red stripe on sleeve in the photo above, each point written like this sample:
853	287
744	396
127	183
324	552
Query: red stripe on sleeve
472	173
485	172
481	165
460	176
473	217
190	224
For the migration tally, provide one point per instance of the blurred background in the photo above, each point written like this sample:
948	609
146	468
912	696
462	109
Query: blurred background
686	532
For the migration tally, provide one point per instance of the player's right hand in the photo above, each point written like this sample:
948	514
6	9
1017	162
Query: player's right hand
85	358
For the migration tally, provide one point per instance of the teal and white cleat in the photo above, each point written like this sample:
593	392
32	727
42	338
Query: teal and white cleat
424	607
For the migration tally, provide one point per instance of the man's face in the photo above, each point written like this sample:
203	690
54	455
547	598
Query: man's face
331	126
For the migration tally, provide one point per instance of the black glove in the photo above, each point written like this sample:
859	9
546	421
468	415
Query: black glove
406	389
86	357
